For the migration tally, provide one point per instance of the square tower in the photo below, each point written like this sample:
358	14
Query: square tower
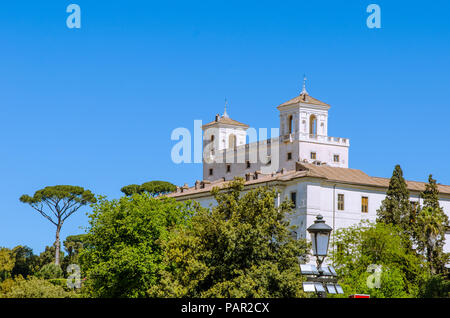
304	121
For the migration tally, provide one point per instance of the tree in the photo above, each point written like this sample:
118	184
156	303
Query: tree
48	256
431	194
26	263
396	207
56	204
154	188
7	262
240	248
50	271
430	226
33	288
363	248
73	246
123	253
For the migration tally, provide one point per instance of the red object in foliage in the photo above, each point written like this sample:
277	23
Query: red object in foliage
359	296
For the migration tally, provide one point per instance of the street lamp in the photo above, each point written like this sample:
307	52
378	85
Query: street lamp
320	237
321	279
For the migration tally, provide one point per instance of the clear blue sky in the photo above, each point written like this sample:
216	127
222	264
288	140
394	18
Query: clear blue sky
96	106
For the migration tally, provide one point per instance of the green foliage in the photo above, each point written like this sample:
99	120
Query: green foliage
396	207
430	226
240	248
131	189
50	271
124	250
431	194
154	188
56	204
73	246
359	246
72	195
437	286
7	262
74	243
26	263
31	288
48	256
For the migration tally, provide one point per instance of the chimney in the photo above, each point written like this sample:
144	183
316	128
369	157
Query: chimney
185	187
299	166
217	117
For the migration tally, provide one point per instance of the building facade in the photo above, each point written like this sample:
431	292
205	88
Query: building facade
303	163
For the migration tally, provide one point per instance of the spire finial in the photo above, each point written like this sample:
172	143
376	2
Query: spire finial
225	109
304	86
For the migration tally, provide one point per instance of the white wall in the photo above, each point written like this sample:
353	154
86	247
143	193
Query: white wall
316	197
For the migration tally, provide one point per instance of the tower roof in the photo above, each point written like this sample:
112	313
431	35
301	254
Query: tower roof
304	98
224	120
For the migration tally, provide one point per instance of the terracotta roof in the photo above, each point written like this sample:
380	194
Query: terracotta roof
304	98
333	174
227	121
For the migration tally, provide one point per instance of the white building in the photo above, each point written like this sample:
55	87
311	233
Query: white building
312	168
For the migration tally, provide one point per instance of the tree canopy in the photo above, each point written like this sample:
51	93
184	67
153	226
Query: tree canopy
124	244
361	246
154	188
396	207
430	226
240	248
56	204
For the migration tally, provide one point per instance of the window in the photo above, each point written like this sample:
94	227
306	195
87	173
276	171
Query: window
289	155
313	155
232	141
228	168
414	206
313	125
340	202
294	199
210	172
248	164
290	124
293	235
336	158
364	204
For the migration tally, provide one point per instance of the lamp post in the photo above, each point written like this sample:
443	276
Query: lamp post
320	237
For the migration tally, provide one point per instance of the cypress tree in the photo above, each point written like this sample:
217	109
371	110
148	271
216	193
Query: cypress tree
396	207
430	227
431	194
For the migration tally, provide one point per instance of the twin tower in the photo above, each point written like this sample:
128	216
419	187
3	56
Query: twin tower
303	138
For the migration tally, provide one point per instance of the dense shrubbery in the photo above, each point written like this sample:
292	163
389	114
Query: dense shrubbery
148	245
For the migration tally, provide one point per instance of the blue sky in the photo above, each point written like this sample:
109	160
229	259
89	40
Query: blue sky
96	106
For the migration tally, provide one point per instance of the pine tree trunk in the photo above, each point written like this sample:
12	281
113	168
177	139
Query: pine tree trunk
57	245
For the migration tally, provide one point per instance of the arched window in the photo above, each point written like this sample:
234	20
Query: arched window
290	121
232	141
212	144
313	125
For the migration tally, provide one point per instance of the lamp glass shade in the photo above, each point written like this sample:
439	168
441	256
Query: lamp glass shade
320	243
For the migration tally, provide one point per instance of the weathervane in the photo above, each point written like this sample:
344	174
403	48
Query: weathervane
225	110
304	86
